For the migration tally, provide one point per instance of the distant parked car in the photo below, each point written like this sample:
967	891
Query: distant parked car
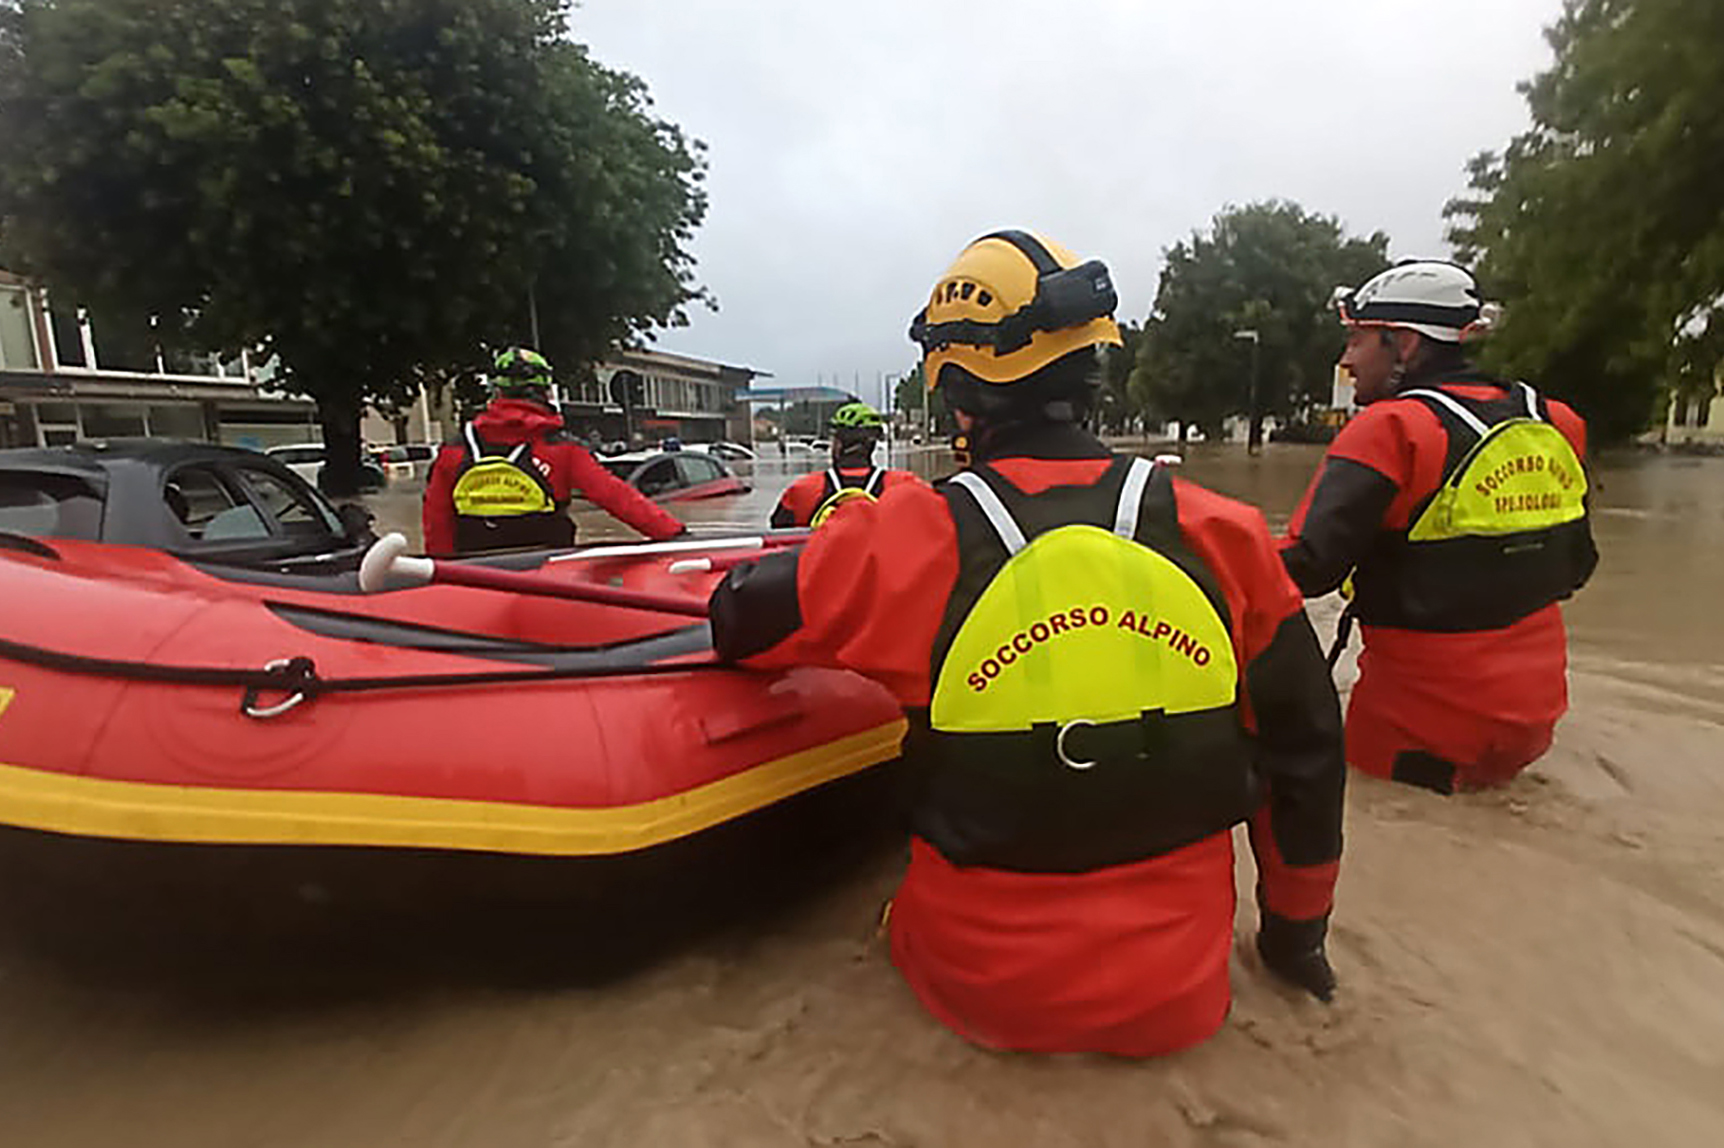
728	451
192	499
675	476
407	460
306	459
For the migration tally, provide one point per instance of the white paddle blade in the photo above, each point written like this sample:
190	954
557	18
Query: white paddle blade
387	566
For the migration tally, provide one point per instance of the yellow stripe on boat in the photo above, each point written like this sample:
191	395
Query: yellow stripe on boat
148	811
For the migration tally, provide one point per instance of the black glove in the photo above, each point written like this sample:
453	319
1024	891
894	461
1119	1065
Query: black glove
1293	951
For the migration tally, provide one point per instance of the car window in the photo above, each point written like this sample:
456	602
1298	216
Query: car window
49	506
208	508
622	469
658	477
298	454
698	468
298	514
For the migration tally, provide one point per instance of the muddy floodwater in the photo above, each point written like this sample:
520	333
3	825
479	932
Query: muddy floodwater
1542	965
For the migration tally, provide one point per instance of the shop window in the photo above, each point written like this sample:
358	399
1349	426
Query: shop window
178	421
114	420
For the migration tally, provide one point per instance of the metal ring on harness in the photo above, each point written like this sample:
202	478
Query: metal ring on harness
301	668
1060	743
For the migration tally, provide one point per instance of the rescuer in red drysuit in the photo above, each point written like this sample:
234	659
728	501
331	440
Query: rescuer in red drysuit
1105	669
1464	670
856	429
508	481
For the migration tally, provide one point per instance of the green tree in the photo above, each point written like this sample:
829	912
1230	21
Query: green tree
1269	268
1116	405
371	190
1602	227
912	397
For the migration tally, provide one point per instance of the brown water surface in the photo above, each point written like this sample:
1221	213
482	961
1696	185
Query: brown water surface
1539	966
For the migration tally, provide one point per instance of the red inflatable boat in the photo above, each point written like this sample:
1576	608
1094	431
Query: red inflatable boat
146	697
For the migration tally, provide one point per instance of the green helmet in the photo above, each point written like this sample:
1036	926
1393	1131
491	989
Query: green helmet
520	368
856	416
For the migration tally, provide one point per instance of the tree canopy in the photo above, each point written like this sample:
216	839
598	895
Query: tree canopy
1265	267
372	190
1602	227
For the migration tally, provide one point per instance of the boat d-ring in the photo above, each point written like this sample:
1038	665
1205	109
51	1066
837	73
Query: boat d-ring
251	709
1060	743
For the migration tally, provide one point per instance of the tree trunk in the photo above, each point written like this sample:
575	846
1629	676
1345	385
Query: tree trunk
339	415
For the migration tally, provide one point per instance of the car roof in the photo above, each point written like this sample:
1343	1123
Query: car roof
98	456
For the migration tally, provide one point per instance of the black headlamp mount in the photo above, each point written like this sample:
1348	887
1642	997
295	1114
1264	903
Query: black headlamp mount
1065	297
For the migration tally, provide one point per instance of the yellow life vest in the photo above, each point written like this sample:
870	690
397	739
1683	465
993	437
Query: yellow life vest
837	493
1505	535
499	485
1084	710
1521	476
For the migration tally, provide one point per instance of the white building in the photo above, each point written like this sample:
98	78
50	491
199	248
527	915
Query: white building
65	377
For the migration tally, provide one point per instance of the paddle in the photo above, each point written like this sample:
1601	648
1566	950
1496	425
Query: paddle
387	565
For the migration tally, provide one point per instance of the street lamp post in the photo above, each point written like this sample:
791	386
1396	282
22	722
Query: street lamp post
1253	415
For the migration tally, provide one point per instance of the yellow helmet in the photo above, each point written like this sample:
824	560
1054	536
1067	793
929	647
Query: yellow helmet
1012	303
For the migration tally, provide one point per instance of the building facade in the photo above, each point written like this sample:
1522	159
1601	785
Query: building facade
65	376
1697	419
679	396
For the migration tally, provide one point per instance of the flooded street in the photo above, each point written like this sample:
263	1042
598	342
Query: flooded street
1542	965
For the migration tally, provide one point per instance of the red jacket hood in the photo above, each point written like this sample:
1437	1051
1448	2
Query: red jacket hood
506	422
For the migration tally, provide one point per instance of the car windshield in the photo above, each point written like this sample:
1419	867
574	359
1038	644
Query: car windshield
49	506
299	514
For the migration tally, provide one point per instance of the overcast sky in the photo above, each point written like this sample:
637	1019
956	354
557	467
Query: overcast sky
855	148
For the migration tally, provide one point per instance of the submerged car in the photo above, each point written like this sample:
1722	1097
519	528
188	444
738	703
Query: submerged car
728	451
406	460
675	476
195	500
306	459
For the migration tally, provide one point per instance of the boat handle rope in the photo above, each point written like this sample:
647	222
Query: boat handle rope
298	681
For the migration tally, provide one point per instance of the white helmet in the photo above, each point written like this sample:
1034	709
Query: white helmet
1438	300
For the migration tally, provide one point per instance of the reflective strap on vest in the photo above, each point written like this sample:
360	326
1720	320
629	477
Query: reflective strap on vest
993	509
1131	498
1012	536
513	458
870	485
1473	422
